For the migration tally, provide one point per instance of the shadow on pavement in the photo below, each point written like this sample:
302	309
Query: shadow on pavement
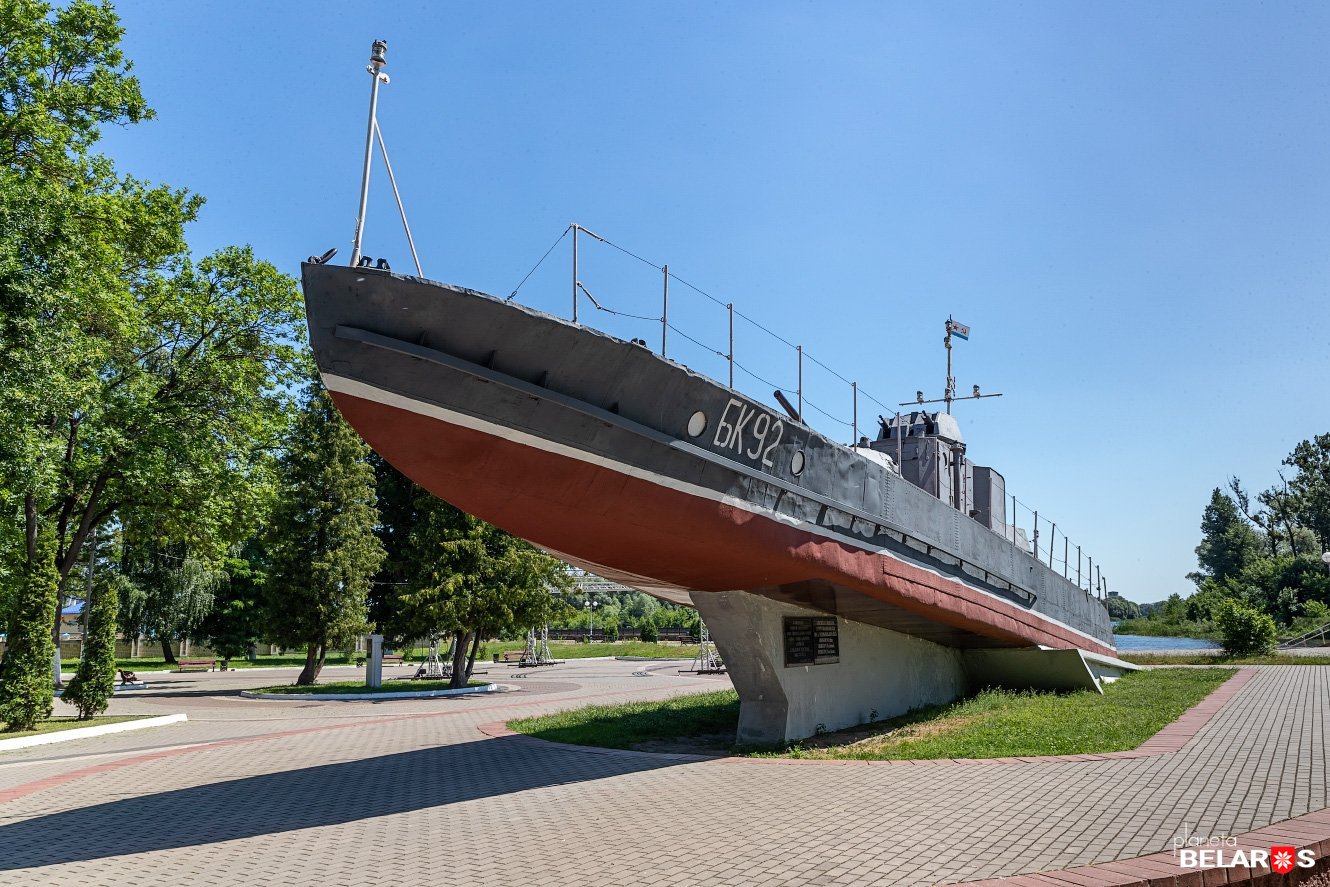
329	794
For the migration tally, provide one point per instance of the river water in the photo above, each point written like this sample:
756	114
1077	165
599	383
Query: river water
1141	643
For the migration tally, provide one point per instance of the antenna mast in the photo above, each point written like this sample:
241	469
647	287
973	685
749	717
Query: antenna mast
949	393
377	62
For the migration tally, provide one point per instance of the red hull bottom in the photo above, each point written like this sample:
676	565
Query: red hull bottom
632	524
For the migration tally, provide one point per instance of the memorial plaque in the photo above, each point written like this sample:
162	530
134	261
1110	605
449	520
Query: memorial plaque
811	640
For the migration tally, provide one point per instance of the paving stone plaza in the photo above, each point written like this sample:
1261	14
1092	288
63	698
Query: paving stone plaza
306	791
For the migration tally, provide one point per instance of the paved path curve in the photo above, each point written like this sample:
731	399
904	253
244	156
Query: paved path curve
409	792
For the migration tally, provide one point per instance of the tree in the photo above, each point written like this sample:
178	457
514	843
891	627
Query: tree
1121	608
476	581
27	686
419	592
93	684
132	379
235	622
1310	487
71	234
62	75
1227	543
1202	604
322	545
168	594
449	572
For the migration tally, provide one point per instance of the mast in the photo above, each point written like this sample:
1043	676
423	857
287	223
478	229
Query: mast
962	331
377	62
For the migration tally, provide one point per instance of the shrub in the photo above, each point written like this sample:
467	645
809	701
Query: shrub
1244	631
648	633
28	689
1316	612
94	683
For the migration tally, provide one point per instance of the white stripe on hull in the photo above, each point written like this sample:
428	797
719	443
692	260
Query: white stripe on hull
373	393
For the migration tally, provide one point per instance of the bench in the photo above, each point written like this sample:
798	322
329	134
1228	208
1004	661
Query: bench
512	655
195	664
392	658
127	676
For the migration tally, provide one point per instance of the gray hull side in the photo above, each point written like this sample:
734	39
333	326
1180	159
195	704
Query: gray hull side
463	350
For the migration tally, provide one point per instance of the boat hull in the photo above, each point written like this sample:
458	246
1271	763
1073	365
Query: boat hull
591	447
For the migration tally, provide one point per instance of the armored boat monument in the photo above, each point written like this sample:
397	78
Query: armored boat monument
838	581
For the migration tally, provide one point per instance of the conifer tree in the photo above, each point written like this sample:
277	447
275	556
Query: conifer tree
92	686
323	550
1228	544
26	684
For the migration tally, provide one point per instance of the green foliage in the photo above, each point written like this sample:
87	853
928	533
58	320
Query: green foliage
1121	608
1316	613
93	684
1228	543
1172	610
165	591
235	621
1244	631
1310	488
134	383
447	571
1201	605
648	632
26	685
1223	659
322	545
62	75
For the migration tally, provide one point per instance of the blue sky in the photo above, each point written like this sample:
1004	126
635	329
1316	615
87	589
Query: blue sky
1127	202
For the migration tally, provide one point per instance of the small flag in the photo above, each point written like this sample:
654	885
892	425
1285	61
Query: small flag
958	329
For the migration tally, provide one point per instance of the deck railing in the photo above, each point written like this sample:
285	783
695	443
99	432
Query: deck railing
597	286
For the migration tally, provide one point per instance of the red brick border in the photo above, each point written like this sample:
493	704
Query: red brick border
1310	831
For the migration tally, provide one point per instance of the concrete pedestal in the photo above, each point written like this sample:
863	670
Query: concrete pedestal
880	673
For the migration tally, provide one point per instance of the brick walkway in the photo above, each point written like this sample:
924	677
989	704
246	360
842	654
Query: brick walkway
412	792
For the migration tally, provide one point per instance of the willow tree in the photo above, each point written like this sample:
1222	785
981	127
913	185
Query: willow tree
322	548
166	593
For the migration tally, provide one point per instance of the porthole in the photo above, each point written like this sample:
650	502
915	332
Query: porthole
797	463
697	423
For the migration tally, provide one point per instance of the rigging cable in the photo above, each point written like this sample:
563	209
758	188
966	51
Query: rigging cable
556	242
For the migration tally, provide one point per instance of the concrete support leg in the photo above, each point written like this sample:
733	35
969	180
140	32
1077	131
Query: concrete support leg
880	673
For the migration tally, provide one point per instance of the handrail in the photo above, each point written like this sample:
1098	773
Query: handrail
1302	639
1041	537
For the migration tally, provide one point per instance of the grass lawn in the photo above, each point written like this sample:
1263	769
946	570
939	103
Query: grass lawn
574	650
337	687
991	724
561	650
629	725
1217	659
55	725
157	663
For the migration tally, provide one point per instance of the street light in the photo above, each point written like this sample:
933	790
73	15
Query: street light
591	616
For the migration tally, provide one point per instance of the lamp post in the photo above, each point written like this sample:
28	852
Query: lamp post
591	617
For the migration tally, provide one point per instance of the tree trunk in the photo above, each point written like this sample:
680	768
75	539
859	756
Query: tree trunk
462	640
56	665
166	650
313	665
471	660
